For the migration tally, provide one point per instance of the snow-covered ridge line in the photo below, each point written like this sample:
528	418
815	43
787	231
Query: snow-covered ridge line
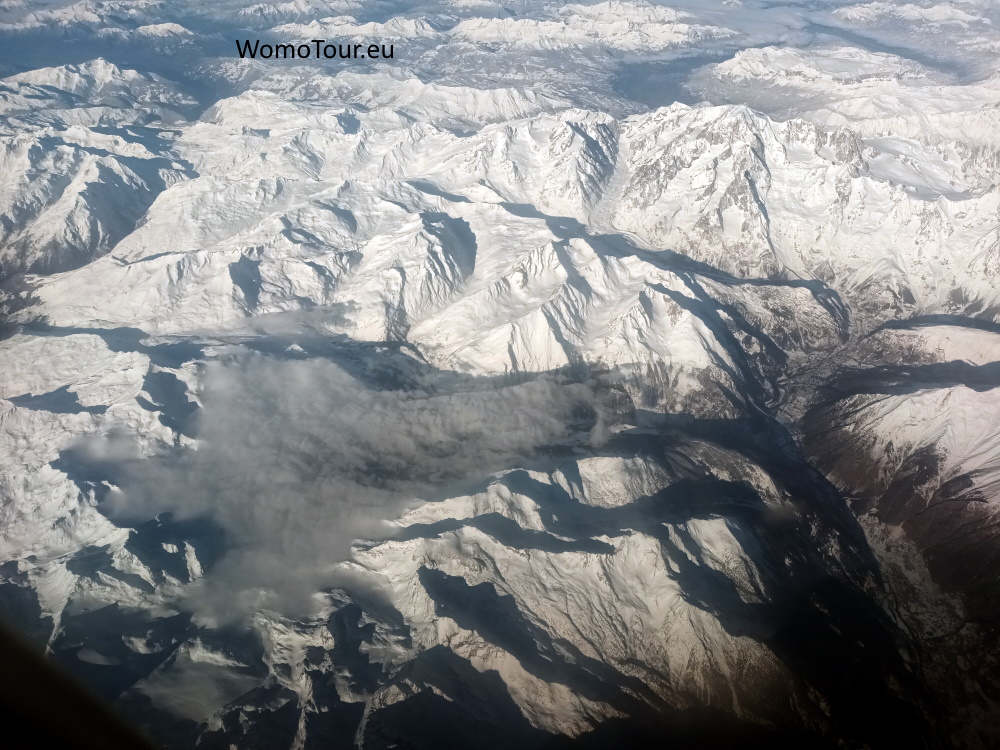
481	396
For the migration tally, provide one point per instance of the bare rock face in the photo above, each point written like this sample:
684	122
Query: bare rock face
459	400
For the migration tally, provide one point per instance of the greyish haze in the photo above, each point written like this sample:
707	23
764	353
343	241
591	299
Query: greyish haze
613	374
298	459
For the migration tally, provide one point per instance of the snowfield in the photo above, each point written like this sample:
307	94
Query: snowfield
345	401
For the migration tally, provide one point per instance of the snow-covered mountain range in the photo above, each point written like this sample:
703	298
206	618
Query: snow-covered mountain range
583	375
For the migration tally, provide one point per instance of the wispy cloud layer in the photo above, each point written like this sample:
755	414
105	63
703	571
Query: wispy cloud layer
298	459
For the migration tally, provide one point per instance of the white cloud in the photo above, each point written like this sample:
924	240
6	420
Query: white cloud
298	459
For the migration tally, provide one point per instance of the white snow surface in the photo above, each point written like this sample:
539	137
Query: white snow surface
488	208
